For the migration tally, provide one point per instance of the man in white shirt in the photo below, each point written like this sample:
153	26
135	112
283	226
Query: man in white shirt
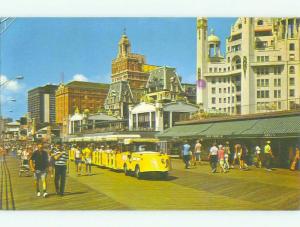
213	158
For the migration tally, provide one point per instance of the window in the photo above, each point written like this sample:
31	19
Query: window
213	100
292	46
267	82
228	59
292	81
279	58
228	99
215	70
210	70
220	70
258	94
277	93
224	100
292	93
258	83
292	70
266	58
220	90
224	90
213	81
232	99
240	26
224	80
213	90
267	94
277	70
228	90
220	80
224	69
220	100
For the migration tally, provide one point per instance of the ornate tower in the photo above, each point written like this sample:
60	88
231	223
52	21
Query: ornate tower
124	46
202	58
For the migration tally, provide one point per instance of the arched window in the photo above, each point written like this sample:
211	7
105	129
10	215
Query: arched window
236	62
292	70
260	22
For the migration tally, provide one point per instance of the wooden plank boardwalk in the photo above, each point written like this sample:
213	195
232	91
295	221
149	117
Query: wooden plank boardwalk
78	196
192	189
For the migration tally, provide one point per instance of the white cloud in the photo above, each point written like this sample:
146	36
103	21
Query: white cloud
80	77
12	85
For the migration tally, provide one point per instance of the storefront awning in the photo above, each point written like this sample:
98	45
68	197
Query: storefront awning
283	126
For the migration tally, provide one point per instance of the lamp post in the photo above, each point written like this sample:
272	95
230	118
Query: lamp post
2	84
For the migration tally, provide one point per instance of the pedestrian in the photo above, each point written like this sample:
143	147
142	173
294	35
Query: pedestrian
39	162
213	157
88	154
61	157
198	149
237	154
221	158
258	156
186	154
243	157
293	165
227	155
78	159
268	155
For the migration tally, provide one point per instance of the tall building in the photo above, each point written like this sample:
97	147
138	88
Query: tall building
259	71
41	104
129	66
84	96
129	74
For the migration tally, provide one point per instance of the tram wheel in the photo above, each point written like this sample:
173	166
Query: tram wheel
137	172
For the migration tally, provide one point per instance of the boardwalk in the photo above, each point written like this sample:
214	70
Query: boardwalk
193	189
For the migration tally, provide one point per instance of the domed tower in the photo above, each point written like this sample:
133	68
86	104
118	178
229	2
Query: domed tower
124	46
214	45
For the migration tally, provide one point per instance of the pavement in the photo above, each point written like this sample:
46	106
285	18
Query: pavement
185	189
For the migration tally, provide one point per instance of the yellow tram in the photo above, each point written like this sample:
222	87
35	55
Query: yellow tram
129	153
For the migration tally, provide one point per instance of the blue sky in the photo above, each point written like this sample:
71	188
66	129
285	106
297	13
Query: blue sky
41	49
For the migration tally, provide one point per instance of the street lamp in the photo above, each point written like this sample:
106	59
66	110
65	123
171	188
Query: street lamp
12	100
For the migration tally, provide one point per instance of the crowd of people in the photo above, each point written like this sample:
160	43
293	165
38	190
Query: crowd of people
225	157
45	159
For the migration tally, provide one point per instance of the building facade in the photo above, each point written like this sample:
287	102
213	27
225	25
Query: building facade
164	84
41	104
159	116
259	71
129	66
129	75
78	95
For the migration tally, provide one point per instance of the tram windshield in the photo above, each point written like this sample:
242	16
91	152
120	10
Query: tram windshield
140	147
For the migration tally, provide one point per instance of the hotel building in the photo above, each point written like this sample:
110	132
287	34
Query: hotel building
260	71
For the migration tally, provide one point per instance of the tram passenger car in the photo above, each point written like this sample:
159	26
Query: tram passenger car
128	153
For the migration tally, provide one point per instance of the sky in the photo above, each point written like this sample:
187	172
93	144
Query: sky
43	49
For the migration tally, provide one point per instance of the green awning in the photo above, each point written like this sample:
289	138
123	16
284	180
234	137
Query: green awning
228	128
275	127
283	126
184	131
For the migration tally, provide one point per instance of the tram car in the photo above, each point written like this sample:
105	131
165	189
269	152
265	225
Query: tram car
129	153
